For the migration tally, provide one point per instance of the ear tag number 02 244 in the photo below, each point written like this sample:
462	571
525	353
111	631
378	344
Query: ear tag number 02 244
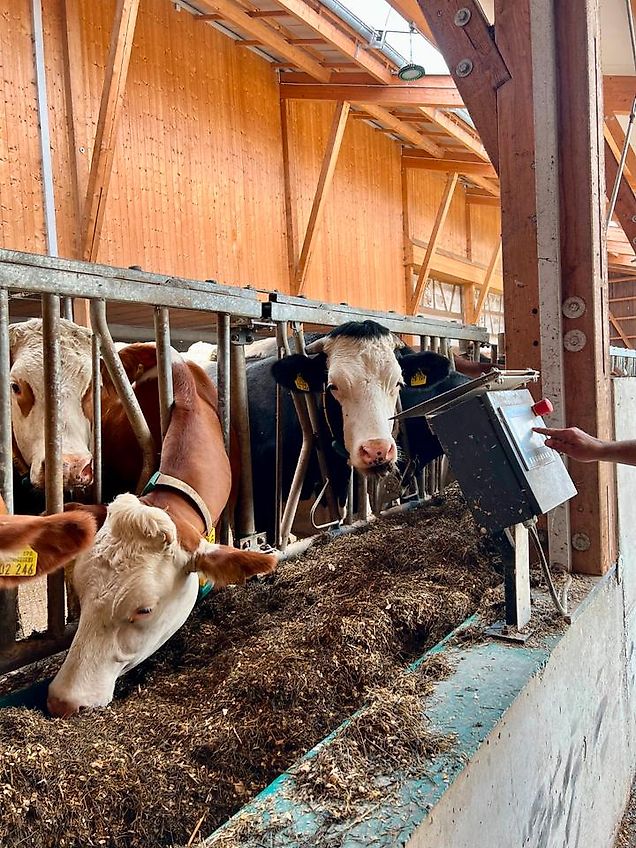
23	565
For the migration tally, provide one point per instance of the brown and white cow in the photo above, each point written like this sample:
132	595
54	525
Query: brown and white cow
138	582
27	396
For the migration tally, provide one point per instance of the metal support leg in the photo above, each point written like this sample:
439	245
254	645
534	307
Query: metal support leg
67	308
223	372
164	366
53	484
124	391
363	497
9	597
98	470
291	506
240	416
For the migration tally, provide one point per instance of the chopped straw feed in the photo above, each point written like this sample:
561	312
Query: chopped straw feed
256	677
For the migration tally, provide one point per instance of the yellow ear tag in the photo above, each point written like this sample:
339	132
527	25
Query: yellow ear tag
301	384
211	537
419	378
24	565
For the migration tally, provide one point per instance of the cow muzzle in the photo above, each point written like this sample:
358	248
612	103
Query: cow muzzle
61	708
375	453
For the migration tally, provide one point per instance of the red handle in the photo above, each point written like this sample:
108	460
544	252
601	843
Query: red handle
543	407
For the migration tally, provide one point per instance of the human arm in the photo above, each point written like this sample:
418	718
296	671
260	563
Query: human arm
579	445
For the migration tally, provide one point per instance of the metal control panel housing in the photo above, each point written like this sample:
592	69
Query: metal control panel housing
505	471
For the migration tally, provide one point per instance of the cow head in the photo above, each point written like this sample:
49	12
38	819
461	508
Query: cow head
137	585
361	367
27	401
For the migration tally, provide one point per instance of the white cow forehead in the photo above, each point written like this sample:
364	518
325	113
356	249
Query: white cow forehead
132	553
75	352
359	357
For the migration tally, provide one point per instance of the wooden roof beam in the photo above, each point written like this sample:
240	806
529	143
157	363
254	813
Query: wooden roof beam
336	37
406	131
483	169
383	95
474	61
625	209
454	130
618	94
237	16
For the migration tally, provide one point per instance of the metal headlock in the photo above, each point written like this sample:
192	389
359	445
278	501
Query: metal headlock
234	314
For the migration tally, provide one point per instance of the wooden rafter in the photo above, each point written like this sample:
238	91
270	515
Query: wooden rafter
454	130
383	95
487	283
625	209
615	137
438	226
487	184
482	169
618	94
233	14
330	159
336	37
121	41
471	48
481	198
616	324
406	131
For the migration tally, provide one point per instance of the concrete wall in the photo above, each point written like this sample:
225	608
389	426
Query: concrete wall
556	770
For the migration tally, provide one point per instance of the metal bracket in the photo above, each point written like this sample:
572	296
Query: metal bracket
503	631
254	542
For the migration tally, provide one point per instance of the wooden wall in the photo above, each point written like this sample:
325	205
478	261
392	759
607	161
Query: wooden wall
197	187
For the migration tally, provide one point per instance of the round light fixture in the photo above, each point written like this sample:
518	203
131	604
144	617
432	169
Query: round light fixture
411	72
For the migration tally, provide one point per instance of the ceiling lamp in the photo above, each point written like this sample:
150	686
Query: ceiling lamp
411	71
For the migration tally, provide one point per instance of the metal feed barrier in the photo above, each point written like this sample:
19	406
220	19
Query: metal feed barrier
238	315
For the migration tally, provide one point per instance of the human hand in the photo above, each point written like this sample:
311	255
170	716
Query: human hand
574	443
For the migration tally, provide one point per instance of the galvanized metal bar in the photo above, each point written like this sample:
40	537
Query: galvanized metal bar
349	511
240	416
50	225
6	443
293	498
425	342
164	366
282	307
67	308
26	272
125	392
53	466
282	345
363	497
98	471
9	597
443	346
225	391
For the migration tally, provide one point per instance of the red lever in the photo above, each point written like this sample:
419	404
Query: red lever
543	407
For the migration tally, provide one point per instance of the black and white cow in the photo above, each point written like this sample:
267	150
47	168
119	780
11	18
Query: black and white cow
360	369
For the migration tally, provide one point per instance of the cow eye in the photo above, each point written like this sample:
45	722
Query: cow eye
141	612
15	388
332	387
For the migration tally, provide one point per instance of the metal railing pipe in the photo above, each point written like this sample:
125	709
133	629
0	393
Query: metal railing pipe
240	416
164	366
98	470
225	395
9	597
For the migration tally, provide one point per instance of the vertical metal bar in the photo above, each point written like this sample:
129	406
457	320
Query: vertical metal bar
443	346
282	347
435	344
124	391
363	497
349	512
97	421
425	342
67	308
291	507
8	598
240	416
164	366
45	137
223	372
53	484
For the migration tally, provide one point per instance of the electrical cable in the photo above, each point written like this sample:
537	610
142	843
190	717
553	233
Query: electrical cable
561	603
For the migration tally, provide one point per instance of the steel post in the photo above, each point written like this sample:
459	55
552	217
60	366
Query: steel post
164	366
224	387
240	416
9	597
98	470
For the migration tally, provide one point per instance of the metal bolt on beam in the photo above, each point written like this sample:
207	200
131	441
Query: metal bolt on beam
462	16
464	68
574	307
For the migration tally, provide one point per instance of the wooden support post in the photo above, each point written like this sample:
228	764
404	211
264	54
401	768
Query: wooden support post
121	41
468	303
584	275
290	232
330	159
487	283
407	243
438	226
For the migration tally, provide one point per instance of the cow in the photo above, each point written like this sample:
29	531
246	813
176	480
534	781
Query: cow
27	405
138	581
359	369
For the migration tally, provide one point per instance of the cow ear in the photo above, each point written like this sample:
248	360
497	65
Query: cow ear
98	511
225	565
300	373
421	370
48	542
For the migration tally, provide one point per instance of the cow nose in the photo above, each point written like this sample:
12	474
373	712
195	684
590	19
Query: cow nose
377	452
78	470
60	708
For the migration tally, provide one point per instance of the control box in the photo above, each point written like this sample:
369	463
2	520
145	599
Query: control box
505	471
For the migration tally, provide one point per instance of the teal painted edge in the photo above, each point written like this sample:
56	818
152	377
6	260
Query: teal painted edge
467	705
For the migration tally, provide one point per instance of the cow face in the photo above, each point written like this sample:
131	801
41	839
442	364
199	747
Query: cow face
27	396
358	364
137	585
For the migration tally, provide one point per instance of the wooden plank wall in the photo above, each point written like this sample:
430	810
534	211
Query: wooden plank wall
197	186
